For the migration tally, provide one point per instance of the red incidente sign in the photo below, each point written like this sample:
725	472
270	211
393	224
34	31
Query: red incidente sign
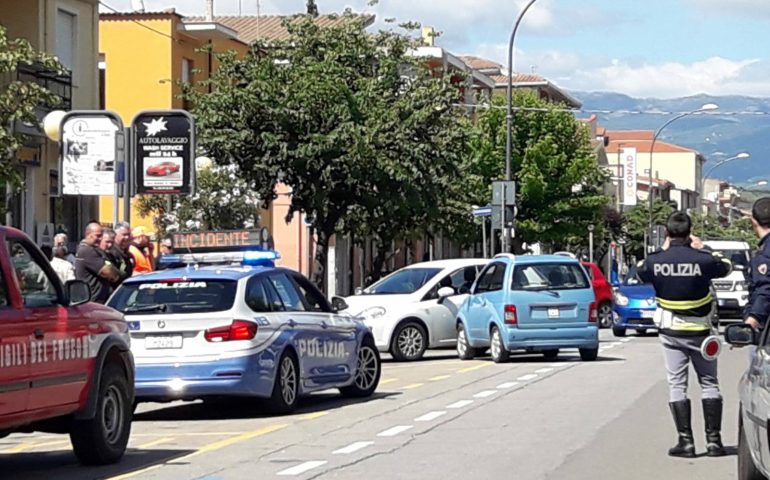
216	240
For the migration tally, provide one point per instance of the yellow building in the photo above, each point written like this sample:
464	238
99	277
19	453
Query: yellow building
143	56
66	29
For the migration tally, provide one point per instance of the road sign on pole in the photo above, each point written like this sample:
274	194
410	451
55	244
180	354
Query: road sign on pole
164	149
503	193
89	152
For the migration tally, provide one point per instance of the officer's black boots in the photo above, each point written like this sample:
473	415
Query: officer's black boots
712	416
685	447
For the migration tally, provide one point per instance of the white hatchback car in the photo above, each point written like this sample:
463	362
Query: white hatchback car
415	308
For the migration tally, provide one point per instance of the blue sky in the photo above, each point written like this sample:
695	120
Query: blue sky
645	48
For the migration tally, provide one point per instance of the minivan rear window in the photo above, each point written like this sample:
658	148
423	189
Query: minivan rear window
174	296
549	276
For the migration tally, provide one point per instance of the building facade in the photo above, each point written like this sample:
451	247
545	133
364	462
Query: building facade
68	30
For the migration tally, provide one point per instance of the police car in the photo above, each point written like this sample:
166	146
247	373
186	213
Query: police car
241	327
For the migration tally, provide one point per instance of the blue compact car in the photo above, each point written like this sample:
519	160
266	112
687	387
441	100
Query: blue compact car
634	306
242	328
532	303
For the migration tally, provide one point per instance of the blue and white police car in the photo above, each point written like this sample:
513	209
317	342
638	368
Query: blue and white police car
243	327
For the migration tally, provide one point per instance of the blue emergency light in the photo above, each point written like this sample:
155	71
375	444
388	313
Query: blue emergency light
265	258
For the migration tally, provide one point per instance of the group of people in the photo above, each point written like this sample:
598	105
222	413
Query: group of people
105	257
681	273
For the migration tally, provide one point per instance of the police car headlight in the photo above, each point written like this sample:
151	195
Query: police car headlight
371	313
621	299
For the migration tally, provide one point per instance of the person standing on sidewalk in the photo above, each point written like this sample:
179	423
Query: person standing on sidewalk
758	307
141	251
92	267
681	273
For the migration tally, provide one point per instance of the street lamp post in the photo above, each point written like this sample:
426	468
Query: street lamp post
509	114
704	108
591	243
739	156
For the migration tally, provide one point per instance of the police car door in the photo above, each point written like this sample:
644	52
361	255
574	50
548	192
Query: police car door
339	348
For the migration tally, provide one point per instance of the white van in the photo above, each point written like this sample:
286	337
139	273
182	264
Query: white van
732	290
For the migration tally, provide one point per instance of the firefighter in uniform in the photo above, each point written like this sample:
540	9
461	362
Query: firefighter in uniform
758	306
681	274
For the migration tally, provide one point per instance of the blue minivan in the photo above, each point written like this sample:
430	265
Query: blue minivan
533	303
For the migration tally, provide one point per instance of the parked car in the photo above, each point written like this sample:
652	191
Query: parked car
533	303
245	330
754	407
415	308
602	292
635	306
163	169
732	291
66	365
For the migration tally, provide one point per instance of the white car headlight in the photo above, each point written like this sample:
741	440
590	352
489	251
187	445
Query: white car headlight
739	287
371	313
621	299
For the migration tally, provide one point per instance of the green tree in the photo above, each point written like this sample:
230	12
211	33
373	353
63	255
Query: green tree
559	182
18	102
348	119
637	223
222	201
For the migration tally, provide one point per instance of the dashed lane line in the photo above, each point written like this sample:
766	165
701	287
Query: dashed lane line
544	370
460	404
302	468
353	447
387	381
430	416
526	378
485	394
313	416
412	386
439	377
507	385
393	431
27	446
475	367
154	443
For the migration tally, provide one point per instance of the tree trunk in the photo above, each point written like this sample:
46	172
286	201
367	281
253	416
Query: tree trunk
321	258
379	261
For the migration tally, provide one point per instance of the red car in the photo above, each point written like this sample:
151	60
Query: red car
603	293
163	169
66	366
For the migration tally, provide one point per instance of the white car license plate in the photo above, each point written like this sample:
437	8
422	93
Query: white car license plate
553	313
166	341
648	313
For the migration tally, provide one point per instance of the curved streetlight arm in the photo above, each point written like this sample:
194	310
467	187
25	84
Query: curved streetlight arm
509	114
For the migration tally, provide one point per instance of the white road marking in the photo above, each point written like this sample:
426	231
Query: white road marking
353	447
460	404
302	468
626	340
485	394
557	365
606	347
430	416
392	432
505	385
525	378
544	370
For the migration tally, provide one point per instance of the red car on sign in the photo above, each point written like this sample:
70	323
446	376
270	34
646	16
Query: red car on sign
66	365
603	293
163	169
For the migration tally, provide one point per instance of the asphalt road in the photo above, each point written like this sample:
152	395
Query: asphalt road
439	418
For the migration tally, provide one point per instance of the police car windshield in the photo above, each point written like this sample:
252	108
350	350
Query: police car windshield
174	297
403	282
737	257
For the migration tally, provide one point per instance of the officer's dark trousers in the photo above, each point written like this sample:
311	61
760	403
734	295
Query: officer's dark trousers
679	352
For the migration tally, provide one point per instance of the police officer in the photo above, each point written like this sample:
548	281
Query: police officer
681	274
758	307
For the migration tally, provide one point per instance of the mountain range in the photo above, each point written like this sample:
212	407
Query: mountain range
741	124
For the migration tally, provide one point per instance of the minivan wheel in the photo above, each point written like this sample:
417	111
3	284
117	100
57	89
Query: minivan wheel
409	342
589	354
497	348
605	315
464	349
746	468
551	354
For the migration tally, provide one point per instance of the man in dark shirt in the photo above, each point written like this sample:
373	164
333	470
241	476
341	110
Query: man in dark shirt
92	267
758	308
119	254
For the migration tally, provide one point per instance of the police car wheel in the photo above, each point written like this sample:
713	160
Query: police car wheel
368	370
618	331
747	470
409	342
102	439
589	354
286	385
499	353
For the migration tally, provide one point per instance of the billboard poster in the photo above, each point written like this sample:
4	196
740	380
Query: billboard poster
164	145
629	176
88	153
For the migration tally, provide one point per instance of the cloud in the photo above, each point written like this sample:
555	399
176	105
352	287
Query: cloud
749	8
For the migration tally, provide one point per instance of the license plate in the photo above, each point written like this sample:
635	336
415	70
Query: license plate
166	341
648	314
553	313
